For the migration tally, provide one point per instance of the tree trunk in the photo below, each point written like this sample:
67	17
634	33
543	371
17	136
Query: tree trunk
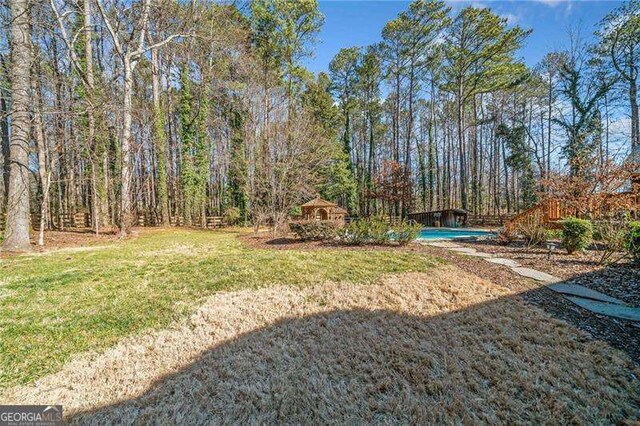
463	178
549	121
4	141
635	119
91	121
372	159
431	149
160	137
125	172
43	173
17	226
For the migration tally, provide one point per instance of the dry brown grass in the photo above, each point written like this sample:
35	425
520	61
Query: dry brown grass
445	346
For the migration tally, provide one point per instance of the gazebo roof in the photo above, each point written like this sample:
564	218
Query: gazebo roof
318	202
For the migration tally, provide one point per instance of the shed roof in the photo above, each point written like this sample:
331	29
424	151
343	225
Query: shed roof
340	210
319	202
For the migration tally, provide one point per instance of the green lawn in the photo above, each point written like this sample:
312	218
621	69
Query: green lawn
57	304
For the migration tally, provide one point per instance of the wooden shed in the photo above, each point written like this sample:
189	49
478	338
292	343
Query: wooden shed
450	218
319	209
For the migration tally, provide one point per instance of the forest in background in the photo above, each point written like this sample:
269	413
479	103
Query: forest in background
175	111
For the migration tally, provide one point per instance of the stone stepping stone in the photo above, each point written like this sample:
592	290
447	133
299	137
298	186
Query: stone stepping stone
608	309
502	261
536	275
465	250
479	254
470	252
584	292
443	244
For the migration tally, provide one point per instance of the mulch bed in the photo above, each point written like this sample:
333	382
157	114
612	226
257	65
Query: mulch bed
264	240
621	281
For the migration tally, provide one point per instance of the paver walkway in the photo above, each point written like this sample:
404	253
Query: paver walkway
502	261
584	292
536	275
584	297
443	244
464	250
608	309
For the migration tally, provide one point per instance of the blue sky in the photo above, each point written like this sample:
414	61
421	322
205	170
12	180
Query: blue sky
359	23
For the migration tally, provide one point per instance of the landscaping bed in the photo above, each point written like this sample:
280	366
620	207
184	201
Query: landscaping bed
265	240
621	280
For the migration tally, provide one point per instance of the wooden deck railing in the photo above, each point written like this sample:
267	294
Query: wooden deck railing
551	211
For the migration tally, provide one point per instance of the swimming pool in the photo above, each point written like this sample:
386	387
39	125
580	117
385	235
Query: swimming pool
451	233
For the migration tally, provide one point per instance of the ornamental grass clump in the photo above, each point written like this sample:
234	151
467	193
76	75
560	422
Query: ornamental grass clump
355	233
533	231
577	234
613	235
632	241
406	232
377	231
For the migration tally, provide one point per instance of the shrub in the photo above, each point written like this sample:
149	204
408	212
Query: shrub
406	232
632	241
533	232
295	211
314	230
505	236
554	234
613	234
231	216
378	231
355	233
577	234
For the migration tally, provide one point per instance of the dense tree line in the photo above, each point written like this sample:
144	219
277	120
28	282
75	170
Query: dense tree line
175	111
447	100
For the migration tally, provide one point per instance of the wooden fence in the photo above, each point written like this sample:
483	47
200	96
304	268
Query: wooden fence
488	220
82	220
449	218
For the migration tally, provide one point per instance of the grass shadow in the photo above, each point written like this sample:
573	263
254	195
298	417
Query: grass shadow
501	361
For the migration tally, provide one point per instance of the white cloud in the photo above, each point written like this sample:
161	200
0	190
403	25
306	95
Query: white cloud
552	3
568	4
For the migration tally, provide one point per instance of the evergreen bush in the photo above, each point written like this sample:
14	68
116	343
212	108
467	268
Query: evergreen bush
377	231
314	230
577	234
632	243
231	216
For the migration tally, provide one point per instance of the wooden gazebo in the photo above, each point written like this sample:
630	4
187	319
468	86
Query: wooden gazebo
319	209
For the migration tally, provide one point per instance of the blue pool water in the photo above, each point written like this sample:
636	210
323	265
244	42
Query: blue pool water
449	233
